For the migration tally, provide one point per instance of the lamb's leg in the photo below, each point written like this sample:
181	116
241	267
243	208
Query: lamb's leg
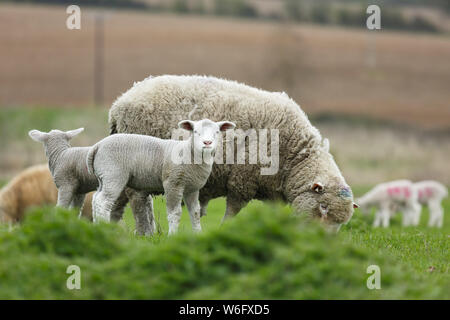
65	197
417	210
436	213
78	202
233	208
173	203
411	214
139	206
193	206
385	215
110	190
406	218
151	214
95	207
119	207
377	220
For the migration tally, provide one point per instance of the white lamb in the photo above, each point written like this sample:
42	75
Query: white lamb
68	168
151	165
431	193
390	196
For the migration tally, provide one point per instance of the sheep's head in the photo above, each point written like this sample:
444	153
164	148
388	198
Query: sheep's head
54	135
331	203
205	133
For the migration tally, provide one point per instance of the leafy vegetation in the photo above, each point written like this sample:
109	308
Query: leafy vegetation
266	250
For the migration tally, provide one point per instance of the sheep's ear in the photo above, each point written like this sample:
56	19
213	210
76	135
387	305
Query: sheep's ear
72	133
38	136
186	125
317	187
355	206
226	125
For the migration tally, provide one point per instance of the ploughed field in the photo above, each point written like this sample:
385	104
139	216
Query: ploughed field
388	75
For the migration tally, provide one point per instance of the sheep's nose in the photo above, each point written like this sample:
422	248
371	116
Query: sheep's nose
207	142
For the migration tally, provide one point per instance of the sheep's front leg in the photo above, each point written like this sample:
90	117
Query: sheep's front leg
233	208
173	203
193	206
203	207
65	197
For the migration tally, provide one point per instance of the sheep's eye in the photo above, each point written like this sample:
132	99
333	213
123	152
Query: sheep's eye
195	131
217	131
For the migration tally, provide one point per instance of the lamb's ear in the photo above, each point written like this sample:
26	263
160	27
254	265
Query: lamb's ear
72	133
38	136
186	125
226	125
355	206
317	187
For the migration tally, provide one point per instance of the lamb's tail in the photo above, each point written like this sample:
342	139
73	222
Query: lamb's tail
90	158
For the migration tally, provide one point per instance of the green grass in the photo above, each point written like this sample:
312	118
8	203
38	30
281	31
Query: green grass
264	253
16	122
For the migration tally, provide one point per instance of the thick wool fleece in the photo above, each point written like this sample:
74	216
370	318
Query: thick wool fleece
33	187
154	106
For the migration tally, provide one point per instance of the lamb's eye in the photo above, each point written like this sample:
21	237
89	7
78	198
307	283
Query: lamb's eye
195	131
217	131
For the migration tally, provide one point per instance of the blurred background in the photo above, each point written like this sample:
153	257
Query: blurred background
381	97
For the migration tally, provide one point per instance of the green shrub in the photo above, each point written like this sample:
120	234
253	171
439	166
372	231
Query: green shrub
266	253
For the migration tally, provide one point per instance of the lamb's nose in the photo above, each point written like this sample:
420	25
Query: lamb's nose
207	142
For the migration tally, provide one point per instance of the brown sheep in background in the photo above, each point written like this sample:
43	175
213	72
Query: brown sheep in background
34	187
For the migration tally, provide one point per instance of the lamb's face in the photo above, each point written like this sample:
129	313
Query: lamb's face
332	204
205	133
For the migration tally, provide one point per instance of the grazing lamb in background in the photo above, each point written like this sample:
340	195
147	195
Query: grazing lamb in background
431	193
34	187
390	196
150	165
308	176
68	168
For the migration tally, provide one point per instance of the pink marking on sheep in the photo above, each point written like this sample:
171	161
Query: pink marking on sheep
407	192
421	194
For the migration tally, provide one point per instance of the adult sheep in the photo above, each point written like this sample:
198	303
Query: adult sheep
308	176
